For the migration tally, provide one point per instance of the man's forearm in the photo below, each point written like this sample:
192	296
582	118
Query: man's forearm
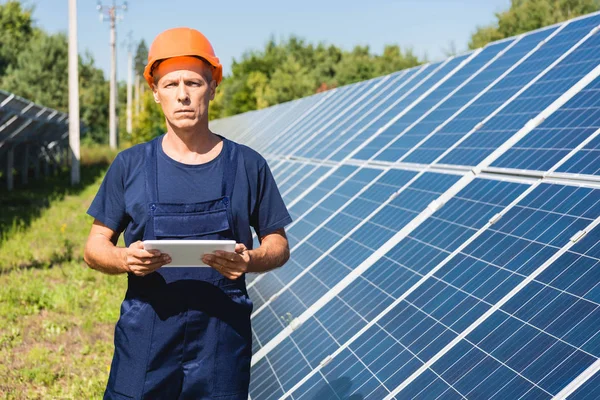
270	255
102	255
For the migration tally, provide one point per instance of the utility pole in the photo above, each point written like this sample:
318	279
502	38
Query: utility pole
111	13
137	95
129	45
73	93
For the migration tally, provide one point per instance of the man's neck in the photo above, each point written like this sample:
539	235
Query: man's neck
197	146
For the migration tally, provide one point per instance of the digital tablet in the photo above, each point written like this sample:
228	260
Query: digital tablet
188	253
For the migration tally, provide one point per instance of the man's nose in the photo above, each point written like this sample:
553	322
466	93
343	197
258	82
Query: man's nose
182	94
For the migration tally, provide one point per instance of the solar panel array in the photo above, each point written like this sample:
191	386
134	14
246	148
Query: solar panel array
29	133
445	241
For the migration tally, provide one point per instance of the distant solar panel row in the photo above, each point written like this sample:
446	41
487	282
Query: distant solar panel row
445	241
28	132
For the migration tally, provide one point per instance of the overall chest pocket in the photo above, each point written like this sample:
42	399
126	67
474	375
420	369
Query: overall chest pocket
196	220
190	225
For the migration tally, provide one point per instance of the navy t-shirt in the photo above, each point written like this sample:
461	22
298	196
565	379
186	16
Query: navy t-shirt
121	201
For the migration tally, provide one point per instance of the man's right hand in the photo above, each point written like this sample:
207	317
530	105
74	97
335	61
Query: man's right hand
142	262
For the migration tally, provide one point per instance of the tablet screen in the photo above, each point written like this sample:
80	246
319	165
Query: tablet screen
188	253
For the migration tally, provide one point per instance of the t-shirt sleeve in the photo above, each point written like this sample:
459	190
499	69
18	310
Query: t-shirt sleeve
270	212
108	206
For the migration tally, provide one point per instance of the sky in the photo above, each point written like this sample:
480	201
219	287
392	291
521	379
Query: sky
236	26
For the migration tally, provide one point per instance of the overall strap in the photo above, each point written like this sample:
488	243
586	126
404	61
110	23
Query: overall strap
150	160
230	166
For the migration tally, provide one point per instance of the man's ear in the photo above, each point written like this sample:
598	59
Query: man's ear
155	93
213	89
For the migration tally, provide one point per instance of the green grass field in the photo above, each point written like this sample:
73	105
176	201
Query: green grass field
56	315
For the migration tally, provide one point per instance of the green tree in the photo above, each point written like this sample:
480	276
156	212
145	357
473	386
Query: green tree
141	58
215	109
323	69
259	82
393	59
355	66
292	68
150	122
16	27
290	81
93	100
526	15
39	72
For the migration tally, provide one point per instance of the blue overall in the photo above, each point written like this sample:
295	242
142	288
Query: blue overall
184	333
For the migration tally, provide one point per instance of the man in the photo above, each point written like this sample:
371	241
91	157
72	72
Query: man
185	332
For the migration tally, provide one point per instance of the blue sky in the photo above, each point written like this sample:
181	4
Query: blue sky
233	27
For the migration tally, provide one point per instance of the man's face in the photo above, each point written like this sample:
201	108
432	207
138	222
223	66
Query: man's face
184	90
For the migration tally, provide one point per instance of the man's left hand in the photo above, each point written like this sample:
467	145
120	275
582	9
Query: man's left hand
230	265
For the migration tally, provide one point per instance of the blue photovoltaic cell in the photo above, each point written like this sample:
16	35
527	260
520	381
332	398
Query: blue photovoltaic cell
283	169
382	98
502	91
303	228
299	229
357	247
438	143
310	120
301	112
480	275
402	267
277	168
341	120
584	161
590	390
384	112
321	190
322	239
451	128
402	143
351	252
300	183
265	385
267	140
541	339
300	139
409	117
300	180
566	128
525	309
537	97
291	174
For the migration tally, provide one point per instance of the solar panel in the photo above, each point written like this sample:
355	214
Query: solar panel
445	241
29	133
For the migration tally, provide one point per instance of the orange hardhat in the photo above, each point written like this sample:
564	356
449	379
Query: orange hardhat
179	42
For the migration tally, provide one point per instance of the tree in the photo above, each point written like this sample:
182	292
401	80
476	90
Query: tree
393	59
39	72
141	58
526	15
93	100
259	82
355	66
290	81
150	122
16	27
288	69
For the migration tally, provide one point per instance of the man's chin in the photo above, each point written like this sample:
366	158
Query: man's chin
184	124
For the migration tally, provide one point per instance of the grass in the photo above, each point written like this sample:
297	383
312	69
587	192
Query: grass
56	315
